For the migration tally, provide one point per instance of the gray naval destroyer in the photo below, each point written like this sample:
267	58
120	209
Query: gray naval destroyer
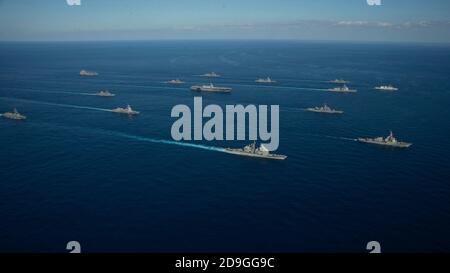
252	151
105	93
387	141
85	73
266	80
211	75
128	110
386	88
176	81
13	115
339	81
324	109
343	89
210	88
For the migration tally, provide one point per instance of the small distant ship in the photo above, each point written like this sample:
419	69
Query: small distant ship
252	151
387	141
211	88
14	115
343	89
126	110
211	75
176	81
339	81
266	80
85	73
386	88
324	109
105	93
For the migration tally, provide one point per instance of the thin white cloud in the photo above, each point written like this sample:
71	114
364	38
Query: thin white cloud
401	25
352	23
322	23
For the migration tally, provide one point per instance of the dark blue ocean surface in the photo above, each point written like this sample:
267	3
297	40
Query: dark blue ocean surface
85	174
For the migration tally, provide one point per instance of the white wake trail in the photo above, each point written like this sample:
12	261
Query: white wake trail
58	104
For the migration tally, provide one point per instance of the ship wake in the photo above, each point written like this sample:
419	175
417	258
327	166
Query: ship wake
340	138
58	104
279	87
51	92
170	142
331	137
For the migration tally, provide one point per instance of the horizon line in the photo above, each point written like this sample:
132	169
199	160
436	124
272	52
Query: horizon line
229	39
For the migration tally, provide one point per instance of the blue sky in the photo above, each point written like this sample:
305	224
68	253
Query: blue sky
394	20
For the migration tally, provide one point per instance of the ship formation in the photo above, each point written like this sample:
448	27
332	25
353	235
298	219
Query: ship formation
250	150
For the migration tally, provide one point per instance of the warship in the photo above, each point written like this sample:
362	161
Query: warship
339	81
85	73
210	88
13	115
126	110
211	75
105	93
252	151
176	81
386	88
343	89
266	80
324	109
387	141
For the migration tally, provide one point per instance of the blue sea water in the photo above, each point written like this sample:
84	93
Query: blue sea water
73	171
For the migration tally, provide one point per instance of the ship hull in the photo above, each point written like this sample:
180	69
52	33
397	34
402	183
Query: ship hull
125	113
272	156
85	73
394	145
13	117
339	82
339	91
265	82
387	90
322	112
216	90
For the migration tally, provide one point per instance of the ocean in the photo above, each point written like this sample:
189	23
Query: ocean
75	171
